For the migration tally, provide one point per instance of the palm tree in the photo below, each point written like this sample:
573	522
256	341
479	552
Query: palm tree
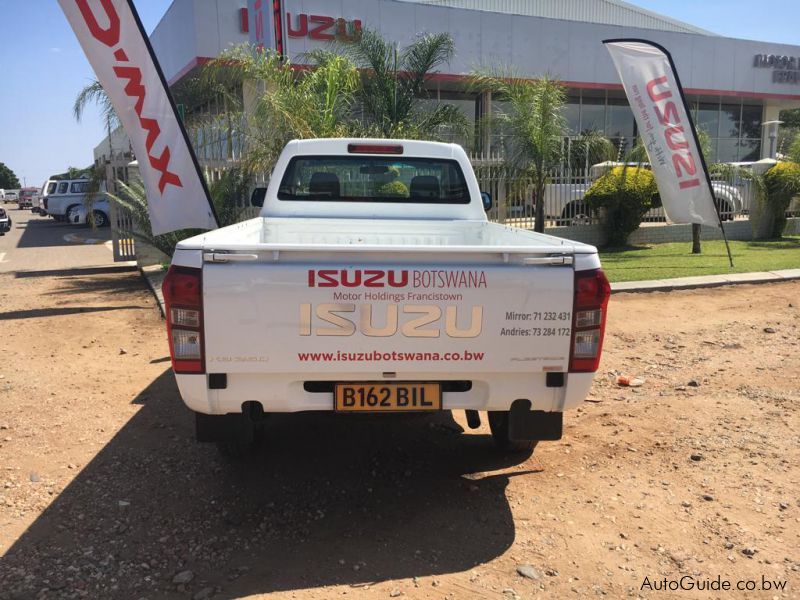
133	198
534	127
589	148
289	102
93	92
392	89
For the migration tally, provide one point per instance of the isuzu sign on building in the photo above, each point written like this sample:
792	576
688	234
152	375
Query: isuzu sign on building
114	41
656	99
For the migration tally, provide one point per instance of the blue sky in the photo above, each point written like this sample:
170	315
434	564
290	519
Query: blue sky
42	69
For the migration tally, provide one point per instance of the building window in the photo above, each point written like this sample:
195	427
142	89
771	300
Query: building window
734	128
593	113
572	114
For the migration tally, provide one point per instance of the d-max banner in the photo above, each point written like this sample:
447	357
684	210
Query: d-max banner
656	98
119	51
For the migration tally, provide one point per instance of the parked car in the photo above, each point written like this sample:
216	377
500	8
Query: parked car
100	212
48	188
10	196
5	222
373	282
27	197
68	194
564	203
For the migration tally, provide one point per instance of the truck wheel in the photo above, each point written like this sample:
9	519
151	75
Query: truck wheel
576	213
498	423
724	208
235	434
100	219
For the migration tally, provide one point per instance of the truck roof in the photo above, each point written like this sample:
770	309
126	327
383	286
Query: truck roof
339	146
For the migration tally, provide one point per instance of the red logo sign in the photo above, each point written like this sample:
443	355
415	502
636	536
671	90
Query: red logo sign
319	27
356	278
674	134
134	89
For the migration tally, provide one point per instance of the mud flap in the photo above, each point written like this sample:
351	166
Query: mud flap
525	424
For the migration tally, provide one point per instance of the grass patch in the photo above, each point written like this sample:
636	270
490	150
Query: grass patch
666	261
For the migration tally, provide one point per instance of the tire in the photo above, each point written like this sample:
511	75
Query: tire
498	423
724	208
100	219
68	213
575	213
236	435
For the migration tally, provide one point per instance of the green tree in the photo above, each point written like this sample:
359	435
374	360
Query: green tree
392	94
782	183
8	180
535	126
93	93
790	117
289	103
590	148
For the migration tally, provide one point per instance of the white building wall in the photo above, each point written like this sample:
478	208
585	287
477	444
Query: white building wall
196	29
570	50
609	12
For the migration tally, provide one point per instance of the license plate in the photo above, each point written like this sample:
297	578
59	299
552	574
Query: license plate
387	397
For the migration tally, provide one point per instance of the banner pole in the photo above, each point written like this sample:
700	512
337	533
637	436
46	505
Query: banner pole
699	148
688	111
183	131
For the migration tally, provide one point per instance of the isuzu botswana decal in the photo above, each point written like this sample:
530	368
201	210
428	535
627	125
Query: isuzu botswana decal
410	320
396	278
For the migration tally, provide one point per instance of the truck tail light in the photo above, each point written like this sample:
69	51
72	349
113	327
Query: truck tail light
592	292
183	297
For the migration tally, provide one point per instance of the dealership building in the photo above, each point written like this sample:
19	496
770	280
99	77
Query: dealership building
736	88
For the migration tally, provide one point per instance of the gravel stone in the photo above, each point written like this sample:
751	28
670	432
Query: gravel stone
183	577
529	571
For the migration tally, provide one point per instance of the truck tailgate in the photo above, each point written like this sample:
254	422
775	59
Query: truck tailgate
347	313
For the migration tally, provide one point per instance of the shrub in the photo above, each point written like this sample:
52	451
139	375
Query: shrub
394	189
626	194
782	183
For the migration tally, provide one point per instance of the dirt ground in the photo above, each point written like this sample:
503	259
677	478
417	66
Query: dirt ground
105	494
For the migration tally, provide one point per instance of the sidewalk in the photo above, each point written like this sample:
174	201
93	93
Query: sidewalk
704	281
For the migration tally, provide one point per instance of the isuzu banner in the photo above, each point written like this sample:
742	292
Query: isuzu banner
119	51
656	98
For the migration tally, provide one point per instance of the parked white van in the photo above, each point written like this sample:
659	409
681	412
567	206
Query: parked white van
64	196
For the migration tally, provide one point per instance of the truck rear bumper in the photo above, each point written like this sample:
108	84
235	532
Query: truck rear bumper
287	393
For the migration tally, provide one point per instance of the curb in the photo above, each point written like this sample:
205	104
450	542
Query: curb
154	276
704	281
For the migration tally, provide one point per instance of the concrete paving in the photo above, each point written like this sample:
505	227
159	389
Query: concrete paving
704	281
40	244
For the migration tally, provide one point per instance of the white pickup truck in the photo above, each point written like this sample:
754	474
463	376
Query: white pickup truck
373	282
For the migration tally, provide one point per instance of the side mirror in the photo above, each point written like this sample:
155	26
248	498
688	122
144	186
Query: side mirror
257	197
487	201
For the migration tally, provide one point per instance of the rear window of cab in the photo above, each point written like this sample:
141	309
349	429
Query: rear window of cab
374	179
